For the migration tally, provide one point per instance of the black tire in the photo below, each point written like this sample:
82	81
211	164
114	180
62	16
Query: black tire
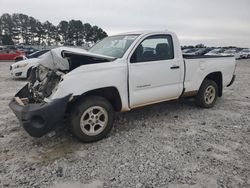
202	98
83	107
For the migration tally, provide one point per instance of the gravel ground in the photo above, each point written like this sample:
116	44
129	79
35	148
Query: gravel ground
172	144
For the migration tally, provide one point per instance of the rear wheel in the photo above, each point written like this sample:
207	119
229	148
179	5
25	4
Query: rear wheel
92	119
207	94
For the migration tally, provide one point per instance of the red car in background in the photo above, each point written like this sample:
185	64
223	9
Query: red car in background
13	55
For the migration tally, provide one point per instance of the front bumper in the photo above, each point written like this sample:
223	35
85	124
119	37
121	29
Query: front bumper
39	119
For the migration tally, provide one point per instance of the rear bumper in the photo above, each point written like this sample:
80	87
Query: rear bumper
232	81
39	119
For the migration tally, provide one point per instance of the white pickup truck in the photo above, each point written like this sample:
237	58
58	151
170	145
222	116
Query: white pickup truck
118	74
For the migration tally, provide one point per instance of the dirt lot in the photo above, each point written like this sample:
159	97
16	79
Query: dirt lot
170	145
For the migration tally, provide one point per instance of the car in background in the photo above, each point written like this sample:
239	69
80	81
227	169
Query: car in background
185	50
215	52
243	54
27	50
11	55
23	68
36	54
33	55
188	51
229	52
196	51
203	51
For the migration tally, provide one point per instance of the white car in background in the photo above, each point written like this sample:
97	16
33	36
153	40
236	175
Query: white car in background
23	68
190	51
215	52
196	51
243	54
185	50
229	52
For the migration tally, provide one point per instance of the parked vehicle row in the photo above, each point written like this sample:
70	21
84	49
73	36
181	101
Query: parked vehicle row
237	53
27	50
244	54
119	73
215	52
196	51
18	53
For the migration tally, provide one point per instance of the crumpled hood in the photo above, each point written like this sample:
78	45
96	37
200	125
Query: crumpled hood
57	59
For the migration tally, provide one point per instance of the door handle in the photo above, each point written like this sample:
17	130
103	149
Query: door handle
175	67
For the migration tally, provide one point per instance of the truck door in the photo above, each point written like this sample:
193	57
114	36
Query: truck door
154	73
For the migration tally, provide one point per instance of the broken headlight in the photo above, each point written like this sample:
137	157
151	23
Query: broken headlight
46	81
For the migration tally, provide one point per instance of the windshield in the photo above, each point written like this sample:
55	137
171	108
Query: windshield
114	46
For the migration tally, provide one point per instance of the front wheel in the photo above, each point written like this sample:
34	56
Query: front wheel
92	119
207	94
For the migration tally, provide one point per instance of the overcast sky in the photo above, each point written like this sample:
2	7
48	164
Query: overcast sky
213	22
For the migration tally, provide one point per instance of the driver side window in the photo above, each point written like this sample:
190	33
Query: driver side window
154	48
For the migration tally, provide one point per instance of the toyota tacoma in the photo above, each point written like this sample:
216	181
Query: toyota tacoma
119	73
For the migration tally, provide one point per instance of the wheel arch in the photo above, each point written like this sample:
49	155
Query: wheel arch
218	79
109	93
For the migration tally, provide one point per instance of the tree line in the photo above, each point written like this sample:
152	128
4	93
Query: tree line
21	28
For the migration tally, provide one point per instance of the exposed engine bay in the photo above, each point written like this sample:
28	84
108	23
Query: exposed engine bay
44	78
42	82
33	104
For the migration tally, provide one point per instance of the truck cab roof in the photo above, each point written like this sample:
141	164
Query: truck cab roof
144	32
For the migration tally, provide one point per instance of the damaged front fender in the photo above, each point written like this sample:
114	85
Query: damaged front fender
38	118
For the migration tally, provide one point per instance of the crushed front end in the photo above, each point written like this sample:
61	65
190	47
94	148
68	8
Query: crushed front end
35	105
37	114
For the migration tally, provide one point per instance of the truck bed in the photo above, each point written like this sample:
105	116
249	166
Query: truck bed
199	66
